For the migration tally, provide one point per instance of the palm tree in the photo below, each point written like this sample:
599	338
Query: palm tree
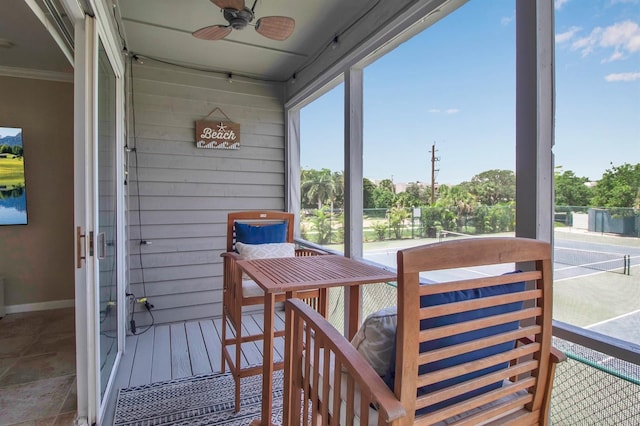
456	198
336	197
318	186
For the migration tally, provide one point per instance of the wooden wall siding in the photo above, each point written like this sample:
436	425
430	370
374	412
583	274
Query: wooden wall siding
179	196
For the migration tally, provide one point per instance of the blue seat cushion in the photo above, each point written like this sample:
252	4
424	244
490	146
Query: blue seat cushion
458	296
265	234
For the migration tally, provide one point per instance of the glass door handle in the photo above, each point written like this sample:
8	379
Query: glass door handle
102	238
80	256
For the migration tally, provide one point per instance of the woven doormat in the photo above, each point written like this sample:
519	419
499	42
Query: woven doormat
196	401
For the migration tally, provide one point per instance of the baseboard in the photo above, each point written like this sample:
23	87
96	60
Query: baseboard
42	306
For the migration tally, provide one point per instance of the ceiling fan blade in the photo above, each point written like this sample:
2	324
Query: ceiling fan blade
214	32
229	4
276	27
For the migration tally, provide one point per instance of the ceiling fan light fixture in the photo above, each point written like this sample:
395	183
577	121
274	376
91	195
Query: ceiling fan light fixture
239	17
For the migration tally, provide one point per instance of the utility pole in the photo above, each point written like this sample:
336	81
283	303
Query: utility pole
433	173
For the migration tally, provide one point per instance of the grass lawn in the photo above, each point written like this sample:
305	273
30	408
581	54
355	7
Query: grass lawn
12	171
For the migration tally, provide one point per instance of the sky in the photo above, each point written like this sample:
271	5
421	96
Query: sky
453	85
9	131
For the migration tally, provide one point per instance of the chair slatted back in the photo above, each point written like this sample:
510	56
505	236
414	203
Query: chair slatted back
511	379
257	218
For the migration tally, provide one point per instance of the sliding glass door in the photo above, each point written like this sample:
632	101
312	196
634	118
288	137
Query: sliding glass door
99	215
107	219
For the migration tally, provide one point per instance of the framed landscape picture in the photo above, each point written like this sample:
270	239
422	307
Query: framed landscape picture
13	195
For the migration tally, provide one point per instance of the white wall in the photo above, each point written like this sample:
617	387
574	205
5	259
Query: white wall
185	193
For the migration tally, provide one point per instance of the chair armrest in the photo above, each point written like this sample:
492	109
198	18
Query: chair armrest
555	356
231	272
371	386
231	255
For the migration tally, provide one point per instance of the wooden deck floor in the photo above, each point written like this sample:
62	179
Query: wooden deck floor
173	351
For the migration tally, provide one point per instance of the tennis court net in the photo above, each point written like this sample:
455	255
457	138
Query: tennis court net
598	260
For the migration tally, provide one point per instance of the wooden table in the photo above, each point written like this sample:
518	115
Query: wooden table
292	274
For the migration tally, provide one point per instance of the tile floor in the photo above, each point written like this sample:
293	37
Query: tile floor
37	368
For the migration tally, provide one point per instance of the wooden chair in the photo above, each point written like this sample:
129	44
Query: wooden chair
473	350
239	293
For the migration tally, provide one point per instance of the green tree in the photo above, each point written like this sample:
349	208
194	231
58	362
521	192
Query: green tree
382	198
368	187
318	186
305	176
571	190
417	191
490	219
493	187
502	218
619	187
405	200
388	185
336	197
397	216
458	200
321	222
380	228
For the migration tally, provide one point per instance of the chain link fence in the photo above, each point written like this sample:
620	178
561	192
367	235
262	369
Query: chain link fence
374	298
592	388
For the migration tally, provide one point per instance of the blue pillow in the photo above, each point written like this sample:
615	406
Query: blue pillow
458	296
251	234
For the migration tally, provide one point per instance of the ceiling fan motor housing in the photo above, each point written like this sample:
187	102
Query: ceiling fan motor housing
238	19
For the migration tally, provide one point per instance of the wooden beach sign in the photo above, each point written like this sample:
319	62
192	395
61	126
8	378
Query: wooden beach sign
217	134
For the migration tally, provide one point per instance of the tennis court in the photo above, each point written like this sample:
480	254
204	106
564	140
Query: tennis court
596	280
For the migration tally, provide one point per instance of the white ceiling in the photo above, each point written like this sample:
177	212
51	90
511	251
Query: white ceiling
33	47
161	29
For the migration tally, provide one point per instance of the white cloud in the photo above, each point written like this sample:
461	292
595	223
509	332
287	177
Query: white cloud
434	110
586	44
560	3
625	76
567	35
623	37
506	20
452	111
614	57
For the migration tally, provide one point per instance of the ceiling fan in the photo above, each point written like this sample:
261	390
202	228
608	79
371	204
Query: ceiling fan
239	16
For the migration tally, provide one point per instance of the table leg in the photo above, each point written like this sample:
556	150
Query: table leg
288	366
267	353
354	311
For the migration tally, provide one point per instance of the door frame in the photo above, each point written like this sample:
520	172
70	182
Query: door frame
89	31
